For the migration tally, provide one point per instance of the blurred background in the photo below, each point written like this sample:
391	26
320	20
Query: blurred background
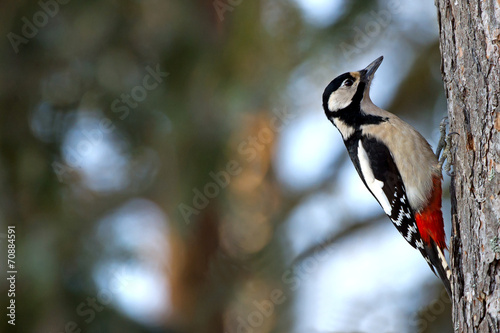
168	167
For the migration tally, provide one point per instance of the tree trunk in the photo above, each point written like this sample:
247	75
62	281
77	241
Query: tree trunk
470	43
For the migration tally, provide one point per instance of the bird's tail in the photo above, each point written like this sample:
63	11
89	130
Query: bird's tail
439	263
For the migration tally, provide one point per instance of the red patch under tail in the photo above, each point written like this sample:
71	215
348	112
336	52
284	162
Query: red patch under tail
430	219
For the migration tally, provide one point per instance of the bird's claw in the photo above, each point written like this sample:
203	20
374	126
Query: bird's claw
443	150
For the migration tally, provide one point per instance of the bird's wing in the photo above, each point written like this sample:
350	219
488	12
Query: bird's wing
381	176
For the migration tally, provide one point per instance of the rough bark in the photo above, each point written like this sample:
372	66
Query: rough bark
470	43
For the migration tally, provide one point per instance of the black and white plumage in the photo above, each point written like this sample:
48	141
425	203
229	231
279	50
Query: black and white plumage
387	187
394	161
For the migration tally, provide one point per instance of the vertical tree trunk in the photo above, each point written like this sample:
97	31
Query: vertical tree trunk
470	43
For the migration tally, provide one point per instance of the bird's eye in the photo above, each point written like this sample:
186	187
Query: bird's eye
348	82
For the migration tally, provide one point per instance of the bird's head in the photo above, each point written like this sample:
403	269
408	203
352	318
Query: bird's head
349	88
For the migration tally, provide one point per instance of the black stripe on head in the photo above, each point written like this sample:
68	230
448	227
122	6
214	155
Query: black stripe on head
356	100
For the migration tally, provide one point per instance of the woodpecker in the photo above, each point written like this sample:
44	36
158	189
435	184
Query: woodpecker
395	163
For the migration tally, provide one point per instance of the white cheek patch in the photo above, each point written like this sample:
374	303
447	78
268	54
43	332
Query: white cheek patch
342	97
374	185
343	128
339	100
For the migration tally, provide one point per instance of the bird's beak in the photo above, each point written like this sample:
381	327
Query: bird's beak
367	73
